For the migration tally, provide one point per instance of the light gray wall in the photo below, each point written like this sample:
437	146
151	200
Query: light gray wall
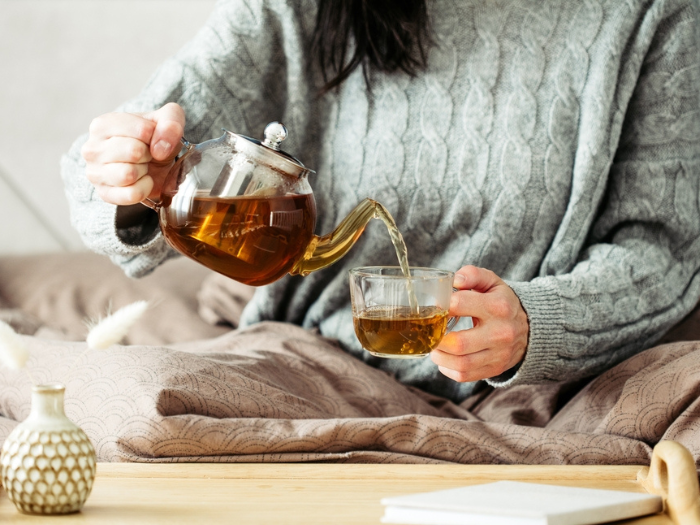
63	62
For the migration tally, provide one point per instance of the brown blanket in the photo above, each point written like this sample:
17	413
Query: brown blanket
276	392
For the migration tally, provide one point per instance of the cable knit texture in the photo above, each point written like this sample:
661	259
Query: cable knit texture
554	142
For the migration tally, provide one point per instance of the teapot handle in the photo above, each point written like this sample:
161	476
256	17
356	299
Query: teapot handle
185	147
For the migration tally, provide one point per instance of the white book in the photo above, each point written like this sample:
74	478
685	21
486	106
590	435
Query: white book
518	503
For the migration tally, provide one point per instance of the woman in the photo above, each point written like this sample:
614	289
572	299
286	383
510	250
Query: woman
548	150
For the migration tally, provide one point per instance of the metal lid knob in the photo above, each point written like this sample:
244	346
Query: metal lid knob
275	133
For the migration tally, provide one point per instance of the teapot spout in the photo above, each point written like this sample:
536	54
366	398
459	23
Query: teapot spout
327	249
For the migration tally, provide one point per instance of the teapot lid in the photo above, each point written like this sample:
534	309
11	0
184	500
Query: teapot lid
268	151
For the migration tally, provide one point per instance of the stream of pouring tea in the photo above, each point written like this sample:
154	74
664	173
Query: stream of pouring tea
380	212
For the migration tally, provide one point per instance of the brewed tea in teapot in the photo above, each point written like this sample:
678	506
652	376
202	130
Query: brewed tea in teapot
255	240
245	209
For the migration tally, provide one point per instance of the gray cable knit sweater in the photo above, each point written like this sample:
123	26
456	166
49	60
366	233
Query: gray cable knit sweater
554	142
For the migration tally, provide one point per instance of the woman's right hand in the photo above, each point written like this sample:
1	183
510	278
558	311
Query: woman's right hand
128	155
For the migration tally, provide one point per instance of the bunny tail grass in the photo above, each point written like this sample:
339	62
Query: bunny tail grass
113	328
13	352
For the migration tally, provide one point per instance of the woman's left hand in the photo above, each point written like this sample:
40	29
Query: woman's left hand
499	338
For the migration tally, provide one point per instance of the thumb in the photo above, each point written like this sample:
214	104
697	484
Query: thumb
477	279
170	127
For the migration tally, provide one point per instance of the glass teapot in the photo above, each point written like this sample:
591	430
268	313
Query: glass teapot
245	209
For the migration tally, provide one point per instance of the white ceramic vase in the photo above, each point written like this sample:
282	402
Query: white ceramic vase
48	463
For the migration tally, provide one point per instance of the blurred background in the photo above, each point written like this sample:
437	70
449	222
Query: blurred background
62	63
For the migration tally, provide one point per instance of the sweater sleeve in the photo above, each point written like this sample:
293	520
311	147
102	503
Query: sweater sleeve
639	270
220	79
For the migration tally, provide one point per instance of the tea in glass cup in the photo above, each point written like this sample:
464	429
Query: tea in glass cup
397	316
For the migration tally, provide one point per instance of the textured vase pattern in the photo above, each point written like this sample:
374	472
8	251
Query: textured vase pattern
48	463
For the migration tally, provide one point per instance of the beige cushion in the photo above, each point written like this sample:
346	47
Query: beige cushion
64	290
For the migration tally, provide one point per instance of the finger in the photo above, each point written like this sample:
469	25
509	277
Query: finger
455	375
170	127
117	149
122	125
482	306
508	339
465	342
125	196
481	365
467	376
494	360
115	173
475	278
467	303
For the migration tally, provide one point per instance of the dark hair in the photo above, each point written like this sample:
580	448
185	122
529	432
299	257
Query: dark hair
388	35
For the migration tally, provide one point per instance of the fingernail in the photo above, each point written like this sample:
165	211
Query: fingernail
161	149
459	280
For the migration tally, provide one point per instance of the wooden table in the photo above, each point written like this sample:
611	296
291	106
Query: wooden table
294	493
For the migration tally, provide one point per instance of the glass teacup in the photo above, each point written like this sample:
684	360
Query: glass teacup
388	323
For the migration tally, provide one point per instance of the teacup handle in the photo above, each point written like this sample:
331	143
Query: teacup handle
150	203
156	204
452	321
